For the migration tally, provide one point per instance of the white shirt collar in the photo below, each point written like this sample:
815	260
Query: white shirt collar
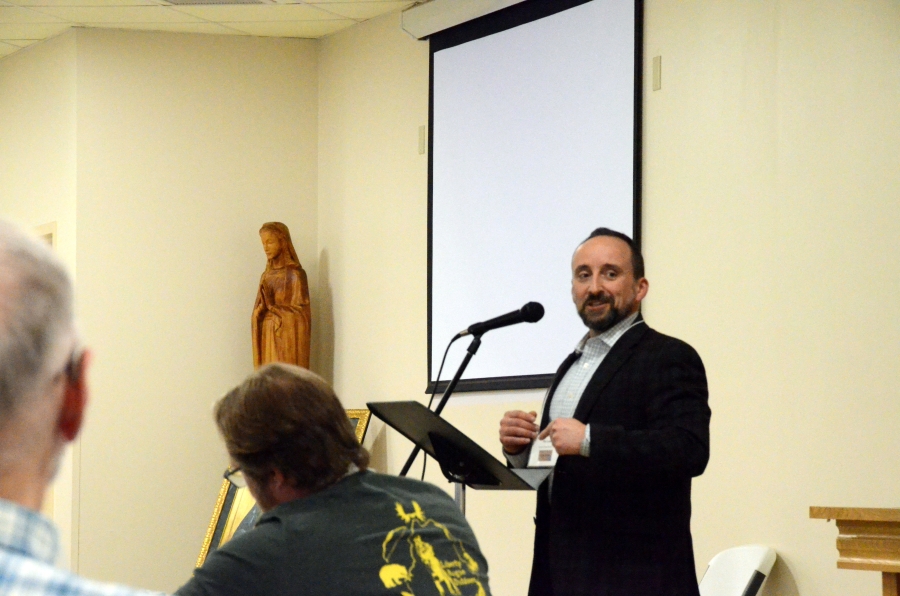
611	335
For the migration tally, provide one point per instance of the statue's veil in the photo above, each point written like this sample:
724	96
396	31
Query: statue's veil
276	227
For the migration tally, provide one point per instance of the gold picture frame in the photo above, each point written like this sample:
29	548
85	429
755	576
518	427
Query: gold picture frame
47	233
236	511
360	421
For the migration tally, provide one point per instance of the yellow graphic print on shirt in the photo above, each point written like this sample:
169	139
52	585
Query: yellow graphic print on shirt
407	553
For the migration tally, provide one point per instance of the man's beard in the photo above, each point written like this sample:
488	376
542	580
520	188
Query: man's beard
608	320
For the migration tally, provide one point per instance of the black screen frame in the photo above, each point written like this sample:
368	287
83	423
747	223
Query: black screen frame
496	22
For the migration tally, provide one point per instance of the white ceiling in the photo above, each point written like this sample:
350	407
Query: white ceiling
24	22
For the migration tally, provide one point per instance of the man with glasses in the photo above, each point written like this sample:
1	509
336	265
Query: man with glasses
42	401
329	526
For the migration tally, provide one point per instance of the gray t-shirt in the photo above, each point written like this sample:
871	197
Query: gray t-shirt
368	534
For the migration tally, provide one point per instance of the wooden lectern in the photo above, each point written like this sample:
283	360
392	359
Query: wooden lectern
868	539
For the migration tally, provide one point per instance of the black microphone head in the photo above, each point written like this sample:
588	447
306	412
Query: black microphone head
532	312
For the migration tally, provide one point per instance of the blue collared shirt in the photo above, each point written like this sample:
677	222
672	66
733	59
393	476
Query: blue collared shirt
29	546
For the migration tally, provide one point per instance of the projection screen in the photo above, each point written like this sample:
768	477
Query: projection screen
534	142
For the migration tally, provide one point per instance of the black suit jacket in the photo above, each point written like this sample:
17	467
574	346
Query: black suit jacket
618	523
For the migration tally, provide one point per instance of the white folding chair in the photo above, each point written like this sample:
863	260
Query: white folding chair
738	571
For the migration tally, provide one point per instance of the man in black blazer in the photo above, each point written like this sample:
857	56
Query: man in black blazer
627	412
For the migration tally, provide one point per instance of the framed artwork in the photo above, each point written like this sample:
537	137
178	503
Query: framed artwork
360	421
47	233
236	511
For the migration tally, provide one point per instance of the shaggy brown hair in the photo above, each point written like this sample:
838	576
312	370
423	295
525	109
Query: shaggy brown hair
285	418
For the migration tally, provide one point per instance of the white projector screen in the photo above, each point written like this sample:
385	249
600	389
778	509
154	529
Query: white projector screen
534	143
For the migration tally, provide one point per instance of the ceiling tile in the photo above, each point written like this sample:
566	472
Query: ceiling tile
118	14
31	31
363	10
355	1
7	49
85	3
256	13
25	21
307	29
20	43
198	27
14	14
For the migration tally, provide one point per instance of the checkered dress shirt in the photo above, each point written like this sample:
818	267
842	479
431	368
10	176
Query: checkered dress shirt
592	351
28	548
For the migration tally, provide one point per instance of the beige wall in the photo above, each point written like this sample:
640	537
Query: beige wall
373	96
771	222
770	225
186	145
37	120
373	216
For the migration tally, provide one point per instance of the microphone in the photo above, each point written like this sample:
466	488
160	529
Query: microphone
530	313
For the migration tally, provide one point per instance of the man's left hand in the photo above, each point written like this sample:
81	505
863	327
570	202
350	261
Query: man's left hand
566	434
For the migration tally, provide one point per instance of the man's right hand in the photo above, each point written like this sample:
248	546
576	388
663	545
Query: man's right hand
518	430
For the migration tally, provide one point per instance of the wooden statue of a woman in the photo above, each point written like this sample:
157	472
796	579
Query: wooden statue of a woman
281	314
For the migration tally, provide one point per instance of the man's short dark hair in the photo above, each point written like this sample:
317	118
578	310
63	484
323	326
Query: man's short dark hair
637	259
284	417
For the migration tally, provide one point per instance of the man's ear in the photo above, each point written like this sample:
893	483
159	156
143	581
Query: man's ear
75	396
643	286
282	488
278	481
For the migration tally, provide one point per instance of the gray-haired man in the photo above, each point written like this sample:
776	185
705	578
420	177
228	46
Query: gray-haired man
42	401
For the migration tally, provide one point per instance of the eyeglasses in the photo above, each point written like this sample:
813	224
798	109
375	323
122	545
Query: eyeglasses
73	366
72	369
235	476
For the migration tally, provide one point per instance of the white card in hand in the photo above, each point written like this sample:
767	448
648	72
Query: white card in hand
543	455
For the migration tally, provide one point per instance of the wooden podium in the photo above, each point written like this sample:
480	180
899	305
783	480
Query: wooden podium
868	539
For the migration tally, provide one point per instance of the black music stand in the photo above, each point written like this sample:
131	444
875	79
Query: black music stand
461	459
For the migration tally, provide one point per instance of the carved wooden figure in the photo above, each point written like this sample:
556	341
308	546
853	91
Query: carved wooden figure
281	314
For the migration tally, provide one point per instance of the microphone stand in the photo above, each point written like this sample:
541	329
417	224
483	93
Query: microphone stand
470	351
